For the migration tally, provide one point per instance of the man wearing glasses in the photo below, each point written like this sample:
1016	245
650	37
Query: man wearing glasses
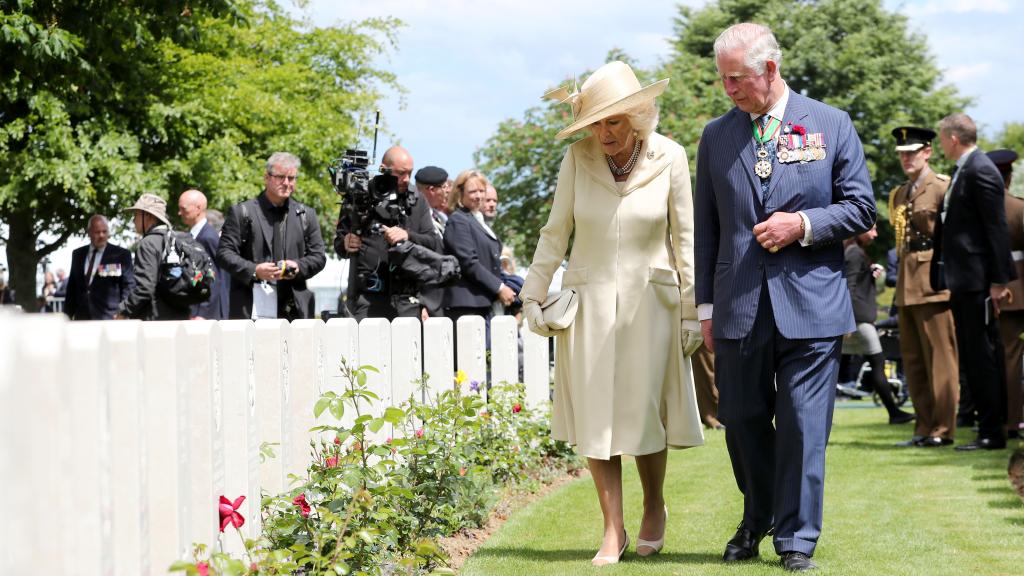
270	245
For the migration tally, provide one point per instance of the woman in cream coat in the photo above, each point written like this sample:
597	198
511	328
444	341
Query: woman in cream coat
623	383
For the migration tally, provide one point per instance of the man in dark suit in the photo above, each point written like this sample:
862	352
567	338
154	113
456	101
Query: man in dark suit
771	212
973	260
375	290
101	275
192	210
270	246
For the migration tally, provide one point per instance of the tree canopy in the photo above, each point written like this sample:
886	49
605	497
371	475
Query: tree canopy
105	100
852	54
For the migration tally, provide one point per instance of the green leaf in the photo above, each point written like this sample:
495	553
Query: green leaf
320	406
394	415
376	424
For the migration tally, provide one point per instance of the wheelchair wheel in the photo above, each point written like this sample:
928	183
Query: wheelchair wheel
899	393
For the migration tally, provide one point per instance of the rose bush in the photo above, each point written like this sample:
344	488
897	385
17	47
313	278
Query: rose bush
382	490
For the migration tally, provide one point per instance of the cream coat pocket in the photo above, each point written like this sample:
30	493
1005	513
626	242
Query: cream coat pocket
665	283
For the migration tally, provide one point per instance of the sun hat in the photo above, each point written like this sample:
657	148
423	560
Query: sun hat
612	89
152	204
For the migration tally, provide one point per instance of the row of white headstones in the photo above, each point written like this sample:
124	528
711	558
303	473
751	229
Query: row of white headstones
117	438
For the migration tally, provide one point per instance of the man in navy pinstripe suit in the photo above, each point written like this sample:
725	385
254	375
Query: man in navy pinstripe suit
781	182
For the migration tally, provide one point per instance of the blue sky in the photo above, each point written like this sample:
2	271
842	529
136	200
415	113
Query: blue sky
469	65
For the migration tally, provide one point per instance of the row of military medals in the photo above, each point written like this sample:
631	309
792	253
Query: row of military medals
794	147
791	147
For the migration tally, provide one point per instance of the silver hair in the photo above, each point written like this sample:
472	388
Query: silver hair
961	126
643	118
95	217
284	160
757	40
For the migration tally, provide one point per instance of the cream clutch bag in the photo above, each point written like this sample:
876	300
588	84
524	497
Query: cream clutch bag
559	310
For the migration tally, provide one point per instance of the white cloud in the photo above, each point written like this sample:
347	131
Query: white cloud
942	7
968	72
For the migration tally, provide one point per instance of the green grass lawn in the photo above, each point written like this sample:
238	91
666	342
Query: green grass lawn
887	511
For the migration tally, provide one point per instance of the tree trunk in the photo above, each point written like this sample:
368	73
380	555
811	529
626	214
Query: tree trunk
23	259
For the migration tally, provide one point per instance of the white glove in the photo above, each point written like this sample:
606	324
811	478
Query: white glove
535	319
692	338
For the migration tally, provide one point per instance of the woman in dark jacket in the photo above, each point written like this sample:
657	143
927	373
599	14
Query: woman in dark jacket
860	278
478	251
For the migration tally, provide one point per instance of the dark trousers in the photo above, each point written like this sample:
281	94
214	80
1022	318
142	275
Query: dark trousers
780	468
981	354
370	305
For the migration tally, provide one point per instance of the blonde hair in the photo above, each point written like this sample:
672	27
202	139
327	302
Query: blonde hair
455	196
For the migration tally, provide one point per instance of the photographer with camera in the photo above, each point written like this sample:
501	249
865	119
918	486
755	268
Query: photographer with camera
270	245
375	216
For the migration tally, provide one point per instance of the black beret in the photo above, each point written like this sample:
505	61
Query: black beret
1003	159
431	175
910	138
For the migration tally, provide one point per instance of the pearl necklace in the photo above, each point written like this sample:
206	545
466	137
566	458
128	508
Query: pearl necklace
628	166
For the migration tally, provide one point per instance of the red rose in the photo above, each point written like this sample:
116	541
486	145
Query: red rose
332	462
337	441
229	512
203	568
517	408
300	501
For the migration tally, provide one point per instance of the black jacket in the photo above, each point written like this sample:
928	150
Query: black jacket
112	282
972	243
216	308
479	258
247	239
373	257
142	301
861	282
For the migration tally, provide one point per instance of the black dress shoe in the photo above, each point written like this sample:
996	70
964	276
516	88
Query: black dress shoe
743	545
934	442
797	562
912	443
901	417
983	444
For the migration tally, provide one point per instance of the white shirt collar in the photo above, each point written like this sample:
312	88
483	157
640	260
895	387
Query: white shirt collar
963	157
778	111
194	231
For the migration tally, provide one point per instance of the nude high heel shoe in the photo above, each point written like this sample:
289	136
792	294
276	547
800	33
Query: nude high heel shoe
606	560
654	545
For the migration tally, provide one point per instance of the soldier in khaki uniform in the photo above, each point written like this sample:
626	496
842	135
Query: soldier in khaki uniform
1011	313
927	334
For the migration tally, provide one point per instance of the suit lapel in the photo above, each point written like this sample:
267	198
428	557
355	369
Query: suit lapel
265	229
795	113
742	145
647	169
592	160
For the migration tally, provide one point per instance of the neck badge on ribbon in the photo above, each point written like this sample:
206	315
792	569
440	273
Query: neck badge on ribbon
763	134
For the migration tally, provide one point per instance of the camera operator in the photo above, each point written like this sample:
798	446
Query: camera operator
375	290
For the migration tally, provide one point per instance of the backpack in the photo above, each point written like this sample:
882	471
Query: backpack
187	272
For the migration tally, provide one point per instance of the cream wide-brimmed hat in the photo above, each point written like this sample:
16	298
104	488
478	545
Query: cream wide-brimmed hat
612	89
153	204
